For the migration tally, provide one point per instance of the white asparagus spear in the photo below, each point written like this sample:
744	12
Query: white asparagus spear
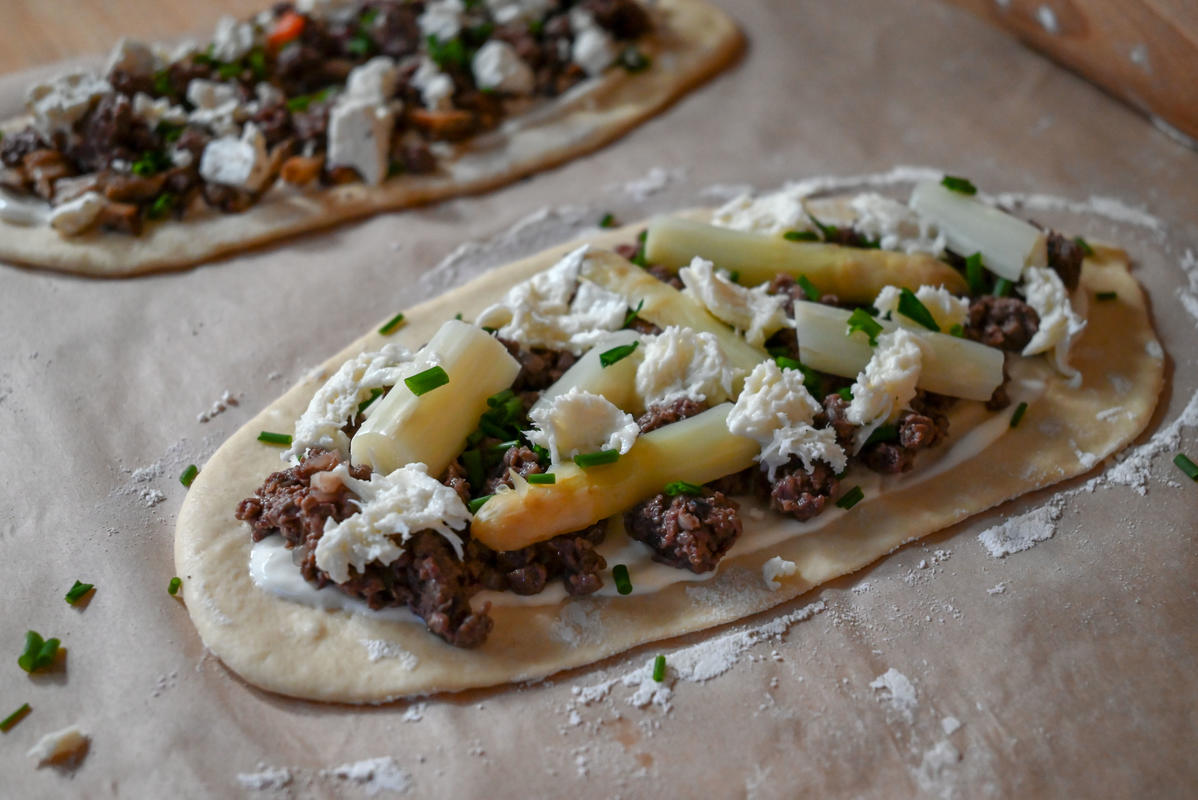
432	428
617	383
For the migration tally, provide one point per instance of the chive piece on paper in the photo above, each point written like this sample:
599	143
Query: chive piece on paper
392	324
659	669
189	475
39	653
1017	415
425	382
675	488
76	592
607	221
283	439
851	498
619	574
609	357
958	184
1187	466
173	587
13	718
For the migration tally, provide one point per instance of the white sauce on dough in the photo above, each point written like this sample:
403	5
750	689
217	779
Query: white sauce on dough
23	210
972	430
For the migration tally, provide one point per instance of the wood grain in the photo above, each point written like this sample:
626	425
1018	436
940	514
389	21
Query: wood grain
1143	51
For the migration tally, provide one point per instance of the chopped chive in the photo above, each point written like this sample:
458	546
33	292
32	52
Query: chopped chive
391	324
638	258
609	357
189	475
632	312
162	205
39	653
478	502
827	231
659	669
846	393
957	330
809	288
173	587
675	488
778	350
801	236
913	308
1018	413
76	592
1187	466
958	184
472	460
499	398
619	574
1002	287
1107	295
860	320
541	478
786	362
851	498
542	454
13	718
503	447
375	394
1084	245
425	382
458	316
883	433
607	221
275	438
585	460
975	274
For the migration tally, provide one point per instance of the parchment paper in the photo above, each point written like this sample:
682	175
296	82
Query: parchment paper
1070	667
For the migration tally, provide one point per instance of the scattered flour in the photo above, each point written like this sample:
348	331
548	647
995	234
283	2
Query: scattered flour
266	779
998	588
1177	135
374	775
1023	532
1048	19
414	713
579	621
933	772
378	649
950	725
226	399
896	693
652	182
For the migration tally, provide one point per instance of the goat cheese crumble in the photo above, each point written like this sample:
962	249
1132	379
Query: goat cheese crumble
680	362
240	162
887	384
60	103
581	422
496	66
895	226
777	567
774	213
1060	325
754	312
75	216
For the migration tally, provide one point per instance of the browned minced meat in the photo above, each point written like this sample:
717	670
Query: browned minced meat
834	416
15	146
925	426
1007	323
539	368
786	286
1065	256
570	556
999	399
800	493
687	532
666	413
625	19
519	458
427	577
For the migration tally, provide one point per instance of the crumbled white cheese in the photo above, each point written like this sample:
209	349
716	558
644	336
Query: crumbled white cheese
946	309
393	508
593	48
775	409
775	568
232	39
887	384
777	212
435	87
505	11
1059	323
581	422
68	744
755	312
57	105
895	225
269	94
75	216
336	402
376	80
360	137
217	105
539	312
680	362
243	162
131	57
181	157
442	19
496	66
154	110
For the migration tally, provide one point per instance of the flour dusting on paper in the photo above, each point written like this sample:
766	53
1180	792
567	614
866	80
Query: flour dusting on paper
1024	531
896	692
266	779
379	649
649	184
226	400
374	775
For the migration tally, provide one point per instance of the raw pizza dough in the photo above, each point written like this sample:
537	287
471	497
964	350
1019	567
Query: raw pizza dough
339	656
696	41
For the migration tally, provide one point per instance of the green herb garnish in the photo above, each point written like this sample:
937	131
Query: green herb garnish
619	574
425	382
1187	466
801	236
150	163
638	257
162	83
472	460
13	718
541	478
608	220
883	433
173	587
1087	250
786	362
450	54
808	288
609	357
162	205
275	438
675	488
851	498
39	653
912	308
1017	415
478	502
957	184
846	393
229	71
860	320
302	101
168	131
659	669
1002	287
188	475
632	312
596	459
375	394
1103	296
634	60
826	231
360	45
76	592
734	276
391	324
257	61
957	330
975	274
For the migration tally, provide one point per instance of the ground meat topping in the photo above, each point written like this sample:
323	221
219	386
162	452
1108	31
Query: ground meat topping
799	493
570	556
1007	323
668	413
1065	255
686	532
786	286
539	368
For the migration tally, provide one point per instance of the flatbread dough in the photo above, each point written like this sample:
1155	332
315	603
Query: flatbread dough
696	41
305	652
